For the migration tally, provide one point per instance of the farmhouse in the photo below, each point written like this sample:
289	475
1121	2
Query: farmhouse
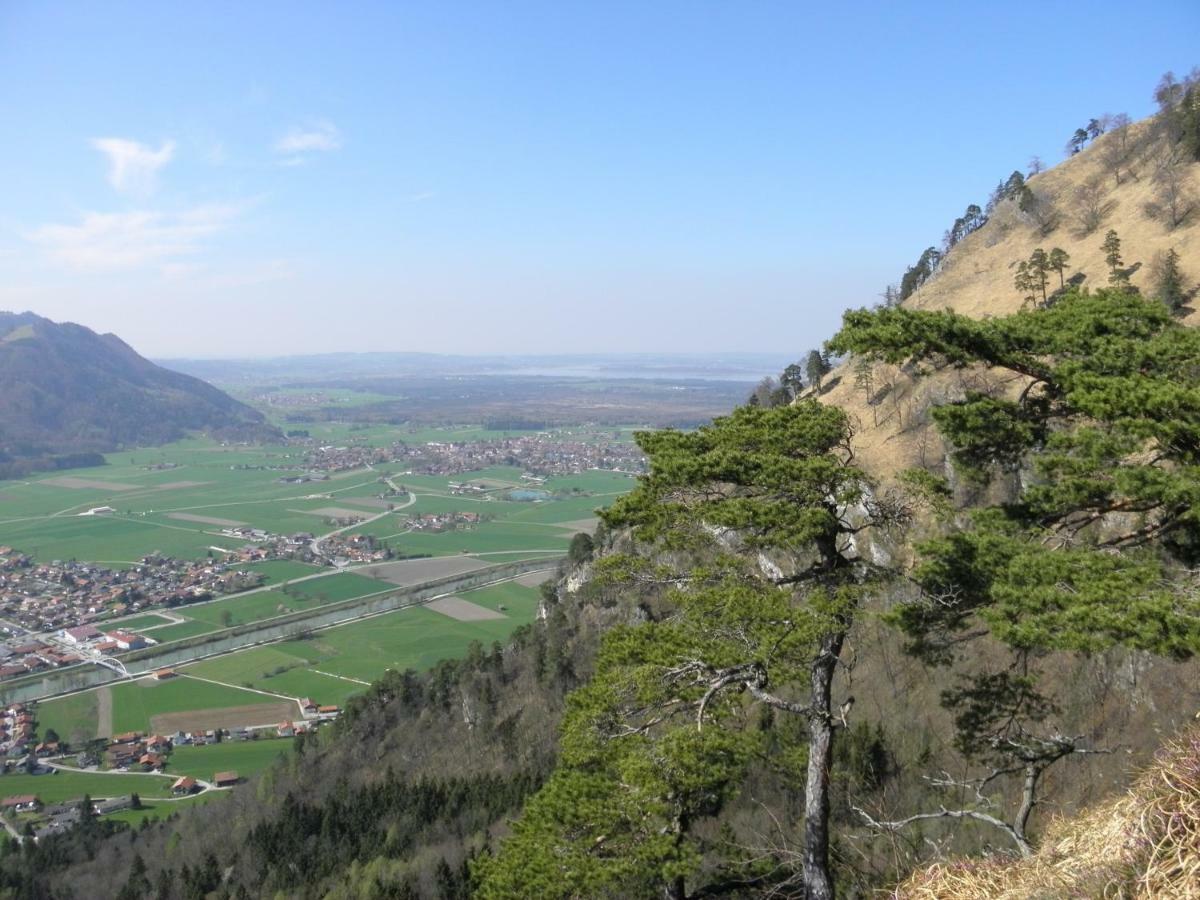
184	785
309	708
113	804
152	761
20	803
225	779
286	729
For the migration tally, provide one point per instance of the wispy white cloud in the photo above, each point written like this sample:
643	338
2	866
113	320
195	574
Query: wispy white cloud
316	137
132	240
133	167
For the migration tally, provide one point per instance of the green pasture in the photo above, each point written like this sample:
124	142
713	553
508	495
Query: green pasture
180	630
280	671
242	608
413	638
73	717
308	682
266	604
105	539
247	758
342	586
160	809
250	668
136	702
62	786
486	538
40	517
139	623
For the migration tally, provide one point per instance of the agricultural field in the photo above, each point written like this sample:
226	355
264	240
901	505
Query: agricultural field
163	707
244	757
74	717
143	623
59	785
154	808
259	686
181	510
276	571
254	606
336	663
147	705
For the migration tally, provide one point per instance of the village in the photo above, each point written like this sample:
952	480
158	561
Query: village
540	454
49	596
23	752
53	613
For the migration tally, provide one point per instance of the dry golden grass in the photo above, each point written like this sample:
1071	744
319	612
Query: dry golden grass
1145	844
977	280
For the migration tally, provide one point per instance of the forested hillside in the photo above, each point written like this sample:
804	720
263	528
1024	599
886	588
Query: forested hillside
68	394
901	617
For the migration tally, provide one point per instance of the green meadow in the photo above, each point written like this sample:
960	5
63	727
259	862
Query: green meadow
330	666
60	786
73	717
135	703
244	757
333	663
182	510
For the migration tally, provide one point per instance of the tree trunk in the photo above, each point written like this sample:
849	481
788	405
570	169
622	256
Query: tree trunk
818	881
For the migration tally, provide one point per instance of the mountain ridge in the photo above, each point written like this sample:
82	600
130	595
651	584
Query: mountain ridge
68	394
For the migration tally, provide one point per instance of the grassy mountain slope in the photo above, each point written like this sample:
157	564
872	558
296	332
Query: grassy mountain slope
976	279
66	390
1143	844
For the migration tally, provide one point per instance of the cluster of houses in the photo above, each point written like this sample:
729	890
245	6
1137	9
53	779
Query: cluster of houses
25	656
343	549
17	726
448	521
133	750
40	597
541	454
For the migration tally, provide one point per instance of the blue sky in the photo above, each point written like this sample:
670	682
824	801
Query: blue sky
267	178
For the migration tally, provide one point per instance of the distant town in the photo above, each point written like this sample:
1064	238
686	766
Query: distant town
540	455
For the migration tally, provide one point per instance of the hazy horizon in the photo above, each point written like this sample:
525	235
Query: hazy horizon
242	181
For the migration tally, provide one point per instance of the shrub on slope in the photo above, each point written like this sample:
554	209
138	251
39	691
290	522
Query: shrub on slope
1145	844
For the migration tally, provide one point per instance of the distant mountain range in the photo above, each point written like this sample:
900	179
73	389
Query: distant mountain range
68	394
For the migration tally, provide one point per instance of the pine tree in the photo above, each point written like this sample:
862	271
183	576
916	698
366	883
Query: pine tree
1095	551
1112	256
665	730
793	379
1170	287
1058	263
1039	269
817	367
1026	281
